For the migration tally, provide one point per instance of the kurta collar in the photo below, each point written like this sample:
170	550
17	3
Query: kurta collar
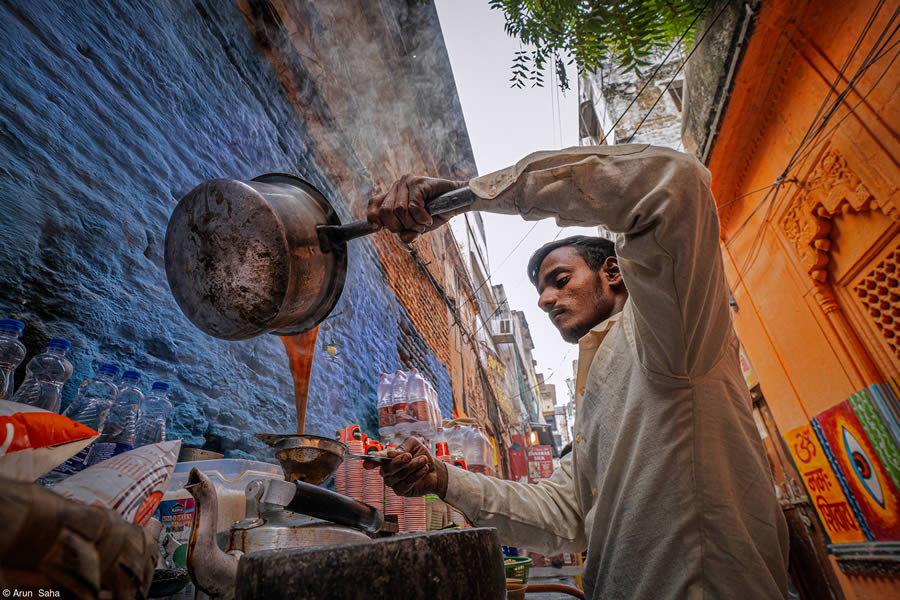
587	348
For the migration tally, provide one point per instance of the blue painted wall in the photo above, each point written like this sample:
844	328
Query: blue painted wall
110	112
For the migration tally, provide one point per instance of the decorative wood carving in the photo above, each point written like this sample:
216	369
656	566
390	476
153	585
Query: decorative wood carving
832	188
878	292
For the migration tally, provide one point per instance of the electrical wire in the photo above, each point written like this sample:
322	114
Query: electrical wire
809	136
852	110
656	71
762	189
808	143
850	55
680	67
868	62
503	262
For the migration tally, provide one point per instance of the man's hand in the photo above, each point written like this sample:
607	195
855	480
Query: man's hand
413	471
53	543
402	208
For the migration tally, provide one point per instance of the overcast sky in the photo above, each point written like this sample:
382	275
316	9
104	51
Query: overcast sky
504	125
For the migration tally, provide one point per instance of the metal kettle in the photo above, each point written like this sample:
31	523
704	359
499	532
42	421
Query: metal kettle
268	255
278	516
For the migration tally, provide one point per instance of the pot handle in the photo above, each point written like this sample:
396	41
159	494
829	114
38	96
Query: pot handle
334	235
318	502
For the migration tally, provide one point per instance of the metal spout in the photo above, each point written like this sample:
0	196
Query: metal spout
212	571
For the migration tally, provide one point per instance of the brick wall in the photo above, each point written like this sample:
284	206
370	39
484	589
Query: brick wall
112	111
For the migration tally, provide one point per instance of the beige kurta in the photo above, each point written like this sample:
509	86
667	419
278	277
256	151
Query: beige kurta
667	487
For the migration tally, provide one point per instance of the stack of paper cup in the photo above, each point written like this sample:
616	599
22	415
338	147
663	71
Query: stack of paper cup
435	512
355	471
393	504
340	475
414	514
373	484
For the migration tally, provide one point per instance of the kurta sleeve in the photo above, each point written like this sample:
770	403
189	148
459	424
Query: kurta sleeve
659	204
544	516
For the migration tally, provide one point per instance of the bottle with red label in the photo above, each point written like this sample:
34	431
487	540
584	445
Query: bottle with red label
402	418
417	402
441	447
385	406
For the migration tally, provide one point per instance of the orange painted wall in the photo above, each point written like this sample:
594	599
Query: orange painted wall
796	258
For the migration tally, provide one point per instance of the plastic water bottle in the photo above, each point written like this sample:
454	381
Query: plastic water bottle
45	375
151	427
402	419
91	407
11	354
385	410
417	403
118	433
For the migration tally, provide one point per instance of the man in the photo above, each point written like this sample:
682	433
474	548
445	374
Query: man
667	487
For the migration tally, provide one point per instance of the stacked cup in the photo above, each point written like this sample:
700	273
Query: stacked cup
340	475
414	514
393	504
453	514
355	471
373	484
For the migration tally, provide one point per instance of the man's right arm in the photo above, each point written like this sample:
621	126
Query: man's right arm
543	516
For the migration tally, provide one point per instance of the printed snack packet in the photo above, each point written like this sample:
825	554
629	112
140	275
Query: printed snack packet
131	483
33	440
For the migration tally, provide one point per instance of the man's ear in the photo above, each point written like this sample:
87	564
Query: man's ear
613	274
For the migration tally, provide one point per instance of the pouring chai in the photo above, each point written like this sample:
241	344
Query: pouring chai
300	350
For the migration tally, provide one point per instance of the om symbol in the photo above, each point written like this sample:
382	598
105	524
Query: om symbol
805	449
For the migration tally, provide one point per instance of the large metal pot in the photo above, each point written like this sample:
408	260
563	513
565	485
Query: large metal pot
269	255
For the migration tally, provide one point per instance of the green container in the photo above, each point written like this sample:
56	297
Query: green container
518	569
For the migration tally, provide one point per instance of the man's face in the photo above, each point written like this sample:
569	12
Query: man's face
576	297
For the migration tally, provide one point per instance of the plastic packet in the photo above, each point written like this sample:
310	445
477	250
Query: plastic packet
34	440
131	483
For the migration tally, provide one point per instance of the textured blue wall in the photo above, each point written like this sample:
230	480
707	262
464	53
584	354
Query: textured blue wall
110	112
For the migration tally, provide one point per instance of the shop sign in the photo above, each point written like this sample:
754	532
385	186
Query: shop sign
824	490
540	463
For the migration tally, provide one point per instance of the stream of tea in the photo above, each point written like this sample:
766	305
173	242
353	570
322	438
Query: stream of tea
300	350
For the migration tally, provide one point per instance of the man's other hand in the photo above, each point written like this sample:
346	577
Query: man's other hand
413	471
80	551
402	208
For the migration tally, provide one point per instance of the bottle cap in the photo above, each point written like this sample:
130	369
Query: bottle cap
59	344
160	385
131	376
109	369
12	326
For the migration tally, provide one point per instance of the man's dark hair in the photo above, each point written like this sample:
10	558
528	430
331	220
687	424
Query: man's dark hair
594	251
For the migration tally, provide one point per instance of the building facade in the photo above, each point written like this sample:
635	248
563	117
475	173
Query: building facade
793	108
615	105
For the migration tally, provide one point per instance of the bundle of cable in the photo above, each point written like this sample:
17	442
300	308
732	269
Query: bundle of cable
355	471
